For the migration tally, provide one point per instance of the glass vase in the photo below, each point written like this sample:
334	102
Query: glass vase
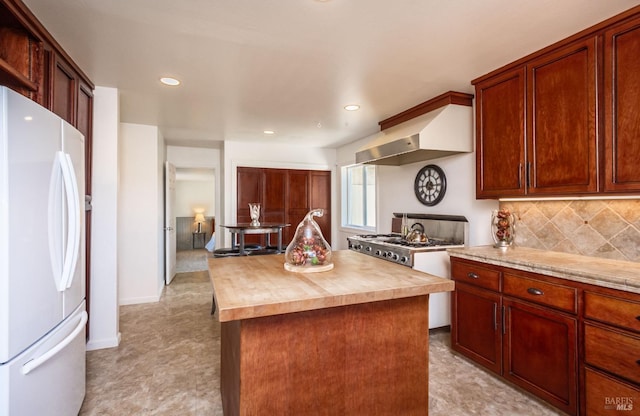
503	227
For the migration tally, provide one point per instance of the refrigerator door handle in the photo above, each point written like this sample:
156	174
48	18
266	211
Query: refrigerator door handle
74	226
54	233
31	365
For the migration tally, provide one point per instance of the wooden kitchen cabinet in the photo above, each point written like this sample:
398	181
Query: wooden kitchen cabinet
64	89
621	102
285	196
500	135
562	136
478	338
563	120
611	362
516	324
536	126
540	352
476	311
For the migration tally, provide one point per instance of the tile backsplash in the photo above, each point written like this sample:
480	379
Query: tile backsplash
599	228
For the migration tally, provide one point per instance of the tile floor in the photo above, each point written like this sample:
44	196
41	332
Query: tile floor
168	364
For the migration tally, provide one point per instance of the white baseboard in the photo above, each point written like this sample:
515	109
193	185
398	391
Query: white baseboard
101	344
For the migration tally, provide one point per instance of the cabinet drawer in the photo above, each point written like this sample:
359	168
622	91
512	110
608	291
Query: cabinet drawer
556	296
606	395
614	351
614	311
476	275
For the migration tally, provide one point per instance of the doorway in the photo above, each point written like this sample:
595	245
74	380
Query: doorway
194	211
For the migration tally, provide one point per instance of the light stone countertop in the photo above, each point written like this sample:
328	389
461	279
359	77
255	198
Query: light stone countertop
254	286
614	274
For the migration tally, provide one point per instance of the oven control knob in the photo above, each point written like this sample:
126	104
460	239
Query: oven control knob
404	259
368	248
378	253
358	246
394	256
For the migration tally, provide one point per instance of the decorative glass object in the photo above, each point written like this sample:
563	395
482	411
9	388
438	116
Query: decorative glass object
308	251
503	230
254	213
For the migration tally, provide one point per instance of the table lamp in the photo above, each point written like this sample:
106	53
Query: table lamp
199	219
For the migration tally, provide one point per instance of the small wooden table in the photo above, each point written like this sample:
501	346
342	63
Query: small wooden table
350	341
197	237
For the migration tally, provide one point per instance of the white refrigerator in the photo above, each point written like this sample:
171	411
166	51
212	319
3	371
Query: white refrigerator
42	268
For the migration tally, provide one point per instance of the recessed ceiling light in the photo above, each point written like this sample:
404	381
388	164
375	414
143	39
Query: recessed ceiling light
169	81
269	132
352	107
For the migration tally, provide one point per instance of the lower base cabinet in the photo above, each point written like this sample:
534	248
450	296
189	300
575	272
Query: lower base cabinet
606	395
511	330
540	353
572	344
477	338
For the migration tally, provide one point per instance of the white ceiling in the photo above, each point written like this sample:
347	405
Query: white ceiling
292	65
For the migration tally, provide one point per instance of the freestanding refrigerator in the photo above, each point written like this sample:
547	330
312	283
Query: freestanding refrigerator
42	270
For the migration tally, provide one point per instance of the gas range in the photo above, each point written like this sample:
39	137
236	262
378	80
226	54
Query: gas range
443	231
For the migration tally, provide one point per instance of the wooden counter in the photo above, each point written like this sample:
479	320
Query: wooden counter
349	341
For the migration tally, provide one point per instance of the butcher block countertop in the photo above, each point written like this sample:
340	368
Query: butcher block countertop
614	274
256	286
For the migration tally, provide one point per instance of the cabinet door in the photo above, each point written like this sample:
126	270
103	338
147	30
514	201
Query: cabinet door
64	91
500	135
250	189
540	353
622	95
274	198
562	153
297	201
476	325
320	194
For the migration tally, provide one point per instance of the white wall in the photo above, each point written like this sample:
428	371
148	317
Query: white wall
192	195
140	214
396	194
270	155
103	295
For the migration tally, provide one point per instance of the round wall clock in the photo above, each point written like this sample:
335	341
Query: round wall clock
430	185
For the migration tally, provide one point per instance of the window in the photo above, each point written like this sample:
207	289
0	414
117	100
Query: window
359	196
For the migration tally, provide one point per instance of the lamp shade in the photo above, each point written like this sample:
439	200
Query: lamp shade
200	217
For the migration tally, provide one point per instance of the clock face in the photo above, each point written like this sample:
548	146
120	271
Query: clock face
430	185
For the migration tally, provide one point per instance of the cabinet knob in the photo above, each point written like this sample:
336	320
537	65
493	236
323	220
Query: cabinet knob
638	362
534	291
472	275
638	317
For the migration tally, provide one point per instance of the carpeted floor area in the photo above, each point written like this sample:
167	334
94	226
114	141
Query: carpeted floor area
192	260
168	363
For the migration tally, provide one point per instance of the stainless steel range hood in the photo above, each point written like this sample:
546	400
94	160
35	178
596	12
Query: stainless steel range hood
442	132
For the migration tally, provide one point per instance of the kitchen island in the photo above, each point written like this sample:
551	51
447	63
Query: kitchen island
349	341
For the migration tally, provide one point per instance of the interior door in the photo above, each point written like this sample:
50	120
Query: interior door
169	222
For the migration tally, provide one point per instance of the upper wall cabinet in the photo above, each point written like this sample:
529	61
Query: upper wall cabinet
21	57
562	140
500	135
622	107
542	128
